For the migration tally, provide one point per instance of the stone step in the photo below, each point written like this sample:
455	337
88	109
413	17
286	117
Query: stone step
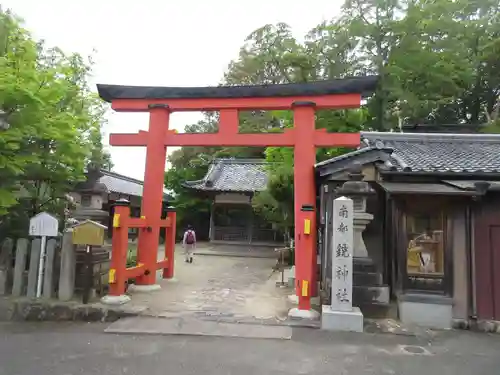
379	311
367	278
363	265
365	295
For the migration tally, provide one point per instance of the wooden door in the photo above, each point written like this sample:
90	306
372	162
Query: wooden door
487	261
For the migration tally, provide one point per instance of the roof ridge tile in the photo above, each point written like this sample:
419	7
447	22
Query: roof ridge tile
430	137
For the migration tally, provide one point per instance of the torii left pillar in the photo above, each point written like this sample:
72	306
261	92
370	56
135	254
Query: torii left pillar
152	196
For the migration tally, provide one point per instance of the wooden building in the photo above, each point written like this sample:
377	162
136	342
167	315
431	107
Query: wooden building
230	185
435	235
102	188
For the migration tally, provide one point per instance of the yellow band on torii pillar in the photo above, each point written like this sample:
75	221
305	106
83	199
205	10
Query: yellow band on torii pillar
116	220
112	276
305	288
307	226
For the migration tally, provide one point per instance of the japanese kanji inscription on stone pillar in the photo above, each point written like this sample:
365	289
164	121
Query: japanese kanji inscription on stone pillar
342	254
341	315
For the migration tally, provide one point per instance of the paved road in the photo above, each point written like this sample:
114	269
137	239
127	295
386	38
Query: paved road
64	349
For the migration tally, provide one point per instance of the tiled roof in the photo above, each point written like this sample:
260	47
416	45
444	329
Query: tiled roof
437	153
238	175
121	184
350	155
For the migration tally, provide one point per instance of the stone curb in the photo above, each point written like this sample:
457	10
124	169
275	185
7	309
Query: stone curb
32	310
25	309
486	326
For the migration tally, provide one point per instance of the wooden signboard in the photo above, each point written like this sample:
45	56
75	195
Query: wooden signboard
44	225
89	233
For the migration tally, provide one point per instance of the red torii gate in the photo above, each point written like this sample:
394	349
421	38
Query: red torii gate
303	99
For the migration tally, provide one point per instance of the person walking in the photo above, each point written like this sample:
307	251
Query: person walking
189	243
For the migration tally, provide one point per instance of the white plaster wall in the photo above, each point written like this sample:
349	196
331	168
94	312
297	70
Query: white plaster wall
232	198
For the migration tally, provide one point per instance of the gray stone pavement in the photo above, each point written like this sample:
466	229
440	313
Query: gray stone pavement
233	288
70	349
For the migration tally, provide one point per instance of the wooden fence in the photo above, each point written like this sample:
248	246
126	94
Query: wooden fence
62	273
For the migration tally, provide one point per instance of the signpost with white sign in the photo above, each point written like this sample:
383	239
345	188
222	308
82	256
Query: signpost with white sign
340	315
43	225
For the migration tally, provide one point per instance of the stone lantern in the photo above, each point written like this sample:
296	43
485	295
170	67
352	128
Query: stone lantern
358	190
92	196
368	287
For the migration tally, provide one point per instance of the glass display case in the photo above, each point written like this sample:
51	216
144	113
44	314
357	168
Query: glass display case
425	247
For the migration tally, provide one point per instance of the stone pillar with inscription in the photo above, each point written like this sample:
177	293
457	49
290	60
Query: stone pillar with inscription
341	315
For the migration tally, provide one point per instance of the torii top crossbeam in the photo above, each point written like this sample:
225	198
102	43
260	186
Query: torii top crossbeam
304	99
333	94
137	98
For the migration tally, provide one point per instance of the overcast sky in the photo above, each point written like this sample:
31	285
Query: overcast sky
160	43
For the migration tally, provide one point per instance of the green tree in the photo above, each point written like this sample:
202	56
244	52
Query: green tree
437	59
370	27
442	67
54	118
271	55
99	157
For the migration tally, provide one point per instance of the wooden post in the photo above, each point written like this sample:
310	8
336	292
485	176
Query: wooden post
211	233
20	266
170	233
89	275
48	285
5	264
36	247
68	267
250	222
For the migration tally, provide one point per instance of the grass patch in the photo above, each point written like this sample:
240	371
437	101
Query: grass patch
131	260
132	255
